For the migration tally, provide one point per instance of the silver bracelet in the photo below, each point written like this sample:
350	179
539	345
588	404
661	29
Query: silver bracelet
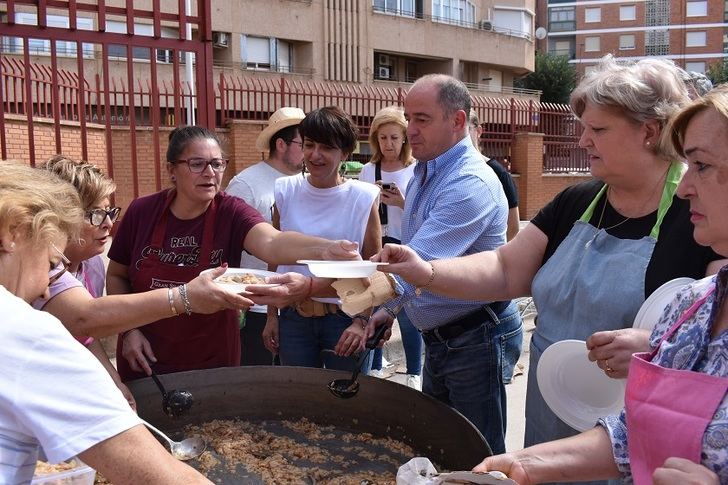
185	299
170	297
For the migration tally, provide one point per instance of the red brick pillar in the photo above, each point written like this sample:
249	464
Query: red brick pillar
528	163
240	146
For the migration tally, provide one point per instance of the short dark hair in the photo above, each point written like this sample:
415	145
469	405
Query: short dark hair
181	136
330	126
286	134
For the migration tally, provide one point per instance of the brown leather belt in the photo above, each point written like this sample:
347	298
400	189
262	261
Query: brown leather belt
311	308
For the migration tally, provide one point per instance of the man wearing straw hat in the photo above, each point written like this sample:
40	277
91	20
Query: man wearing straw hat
255	186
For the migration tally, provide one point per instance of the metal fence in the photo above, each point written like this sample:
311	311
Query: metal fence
88	93
64	95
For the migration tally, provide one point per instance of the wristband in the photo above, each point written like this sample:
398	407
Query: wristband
310	287
418	290
185	299
363	318
170	297
122	335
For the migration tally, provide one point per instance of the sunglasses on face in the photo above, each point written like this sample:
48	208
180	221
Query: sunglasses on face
65	262
97	216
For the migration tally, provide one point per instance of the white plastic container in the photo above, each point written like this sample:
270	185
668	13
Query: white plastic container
81	475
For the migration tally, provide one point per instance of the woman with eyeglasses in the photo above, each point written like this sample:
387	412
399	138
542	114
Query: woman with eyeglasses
82	270
167	238
76	286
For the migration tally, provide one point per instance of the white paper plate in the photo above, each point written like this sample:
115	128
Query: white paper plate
341	269
240	287
577	390
651	310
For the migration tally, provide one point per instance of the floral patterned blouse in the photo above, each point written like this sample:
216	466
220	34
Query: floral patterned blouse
689	348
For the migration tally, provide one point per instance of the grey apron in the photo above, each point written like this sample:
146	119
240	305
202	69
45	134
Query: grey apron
593	282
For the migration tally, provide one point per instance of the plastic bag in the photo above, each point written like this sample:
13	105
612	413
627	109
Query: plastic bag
420	471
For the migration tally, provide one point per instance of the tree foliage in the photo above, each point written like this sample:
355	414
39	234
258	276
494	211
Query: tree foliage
553	75
718	72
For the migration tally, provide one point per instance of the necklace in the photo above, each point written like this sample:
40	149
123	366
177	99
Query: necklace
601	216
660	183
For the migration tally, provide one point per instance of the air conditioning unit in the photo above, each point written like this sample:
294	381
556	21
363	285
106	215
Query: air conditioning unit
384	60
485	25
383	72
220	39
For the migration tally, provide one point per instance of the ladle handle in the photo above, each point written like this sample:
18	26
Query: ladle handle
159	384
158	432
378	334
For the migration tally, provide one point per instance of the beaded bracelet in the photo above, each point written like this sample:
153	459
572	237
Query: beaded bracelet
170	297
185	299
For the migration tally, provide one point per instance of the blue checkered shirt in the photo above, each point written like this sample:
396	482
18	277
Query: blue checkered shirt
460	209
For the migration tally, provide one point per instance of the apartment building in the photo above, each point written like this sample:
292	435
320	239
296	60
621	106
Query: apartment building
693	33
485	43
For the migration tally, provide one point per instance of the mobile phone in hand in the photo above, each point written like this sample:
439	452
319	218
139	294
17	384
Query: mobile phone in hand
388	186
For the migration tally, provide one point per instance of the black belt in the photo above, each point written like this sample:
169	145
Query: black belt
467	322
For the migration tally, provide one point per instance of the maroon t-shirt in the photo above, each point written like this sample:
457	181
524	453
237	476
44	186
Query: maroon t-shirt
183	238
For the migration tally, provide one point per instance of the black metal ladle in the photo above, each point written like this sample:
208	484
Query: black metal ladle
174	403
347	388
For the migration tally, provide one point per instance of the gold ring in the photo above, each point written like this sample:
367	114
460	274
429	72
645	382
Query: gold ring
607	368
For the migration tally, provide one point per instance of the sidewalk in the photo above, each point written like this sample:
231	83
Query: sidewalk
516	390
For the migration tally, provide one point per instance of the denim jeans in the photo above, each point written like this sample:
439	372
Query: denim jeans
308	341
510	337
412	343
466	372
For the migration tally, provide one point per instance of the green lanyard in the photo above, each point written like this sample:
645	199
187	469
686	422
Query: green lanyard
674	174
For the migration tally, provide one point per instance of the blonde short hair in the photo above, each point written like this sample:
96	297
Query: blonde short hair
649	89
716	99
92	184
37	204
385	116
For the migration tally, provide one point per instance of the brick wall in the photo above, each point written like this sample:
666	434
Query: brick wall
44	136
535	188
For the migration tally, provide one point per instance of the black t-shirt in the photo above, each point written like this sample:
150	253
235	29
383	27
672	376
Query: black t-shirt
676	253
509	187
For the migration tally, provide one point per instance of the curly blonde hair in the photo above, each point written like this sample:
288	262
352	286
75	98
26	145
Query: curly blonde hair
92	184
37	204
395	115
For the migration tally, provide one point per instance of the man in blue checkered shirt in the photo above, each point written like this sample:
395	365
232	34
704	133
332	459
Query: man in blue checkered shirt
455	206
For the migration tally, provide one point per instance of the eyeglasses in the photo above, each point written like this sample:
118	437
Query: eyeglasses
97	216
199	165
299	143
64	261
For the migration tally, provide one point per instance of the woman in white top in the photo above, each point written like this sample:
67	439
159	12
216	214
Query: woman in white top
324	204
391	168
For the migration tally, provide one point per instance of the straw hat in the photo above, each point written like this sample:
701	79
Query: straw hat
282	118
